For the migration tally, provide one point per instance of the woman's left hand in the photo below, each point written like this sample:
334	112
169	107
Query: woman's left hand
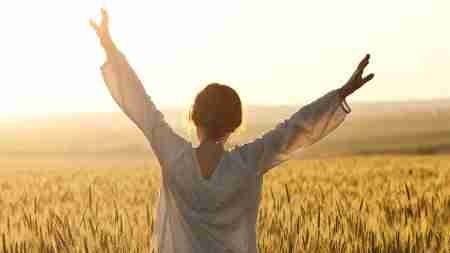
102	31
357	80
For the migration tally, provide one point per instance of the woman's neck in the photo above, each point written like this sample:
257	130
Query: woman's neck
212	145
209	153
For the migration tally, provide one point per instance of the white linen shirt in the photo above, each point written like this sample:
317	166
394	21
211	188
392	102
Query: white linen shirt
215	215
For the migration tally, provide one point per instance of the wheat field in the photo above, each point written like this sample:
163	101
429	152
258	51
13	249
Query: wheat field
352	204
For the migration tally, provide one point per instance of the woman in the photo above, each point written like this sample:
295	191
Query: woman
209	196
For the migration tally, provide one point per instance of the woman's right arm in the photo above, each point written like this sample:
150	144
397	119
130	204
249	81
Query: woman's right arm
310	124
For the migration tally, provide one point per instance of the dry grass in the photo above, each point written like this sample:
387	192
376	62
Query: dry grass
356	204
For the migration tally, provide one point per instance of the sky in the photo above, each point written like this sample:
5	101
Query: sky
270	51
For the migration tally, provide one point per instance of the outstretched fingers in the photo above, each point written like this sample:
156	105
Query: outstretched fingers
103	23
363	64
105	16
357	80
94	25
368	78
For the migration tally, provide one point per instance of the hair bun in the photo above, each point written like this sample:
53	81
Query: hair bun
218	109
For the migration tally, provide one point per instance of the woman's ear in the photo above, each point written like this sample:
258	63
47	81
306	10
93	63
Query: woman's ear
200	133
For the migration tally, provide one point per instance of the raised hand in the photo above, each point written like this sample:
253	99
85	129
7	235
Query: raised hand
102	31
357	80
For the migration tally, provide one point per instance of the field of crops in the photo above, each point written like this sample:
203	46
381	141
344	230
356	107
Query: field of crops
353	204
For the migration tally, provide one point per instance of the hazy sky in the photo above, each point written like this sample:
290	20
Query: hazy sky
271	51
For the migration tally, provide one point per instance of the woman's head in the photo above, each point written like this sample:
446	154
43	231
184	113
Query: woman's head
217	112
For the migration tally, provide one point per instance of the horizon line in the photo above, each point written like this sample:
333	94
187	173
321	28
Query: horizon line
9	115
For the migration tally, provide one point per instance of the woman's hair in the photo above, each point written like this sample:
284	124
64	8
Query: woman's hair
218	110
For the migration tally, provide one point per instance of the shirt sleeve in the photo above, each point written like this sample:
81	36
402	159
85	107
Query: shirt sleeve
305	127
129	93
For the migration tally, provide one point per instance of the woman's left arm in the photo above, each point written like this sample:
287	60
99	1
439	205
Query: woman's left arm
129	93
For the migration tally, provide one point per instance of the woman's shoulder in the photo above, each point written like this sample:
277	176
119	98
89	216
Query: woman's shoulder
237	155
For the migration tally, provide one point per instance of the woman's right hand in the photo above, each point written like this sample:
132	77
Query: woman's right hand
102	31
357	80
